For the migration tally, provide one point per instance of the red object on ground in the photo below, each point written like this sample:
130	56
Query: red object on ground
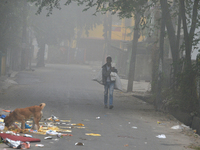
6	110
18	138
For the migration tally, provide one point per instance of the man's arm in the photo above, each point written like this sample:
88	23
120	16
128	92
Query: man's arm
114	70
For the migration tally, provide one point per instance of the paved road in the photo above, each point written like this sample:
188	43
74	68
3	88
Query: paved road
70	93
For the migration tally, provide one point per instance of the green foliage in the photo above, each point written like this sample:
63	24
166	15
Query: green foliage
11	24
187	91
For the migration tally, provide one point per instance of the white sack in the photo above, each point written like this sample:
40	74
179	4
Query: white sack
98	78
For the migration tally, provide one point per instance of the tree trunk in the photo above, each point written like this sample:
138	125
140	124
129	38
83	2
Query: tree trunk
133	55
188	37
158	102
188	91
24	38
171	35
41	52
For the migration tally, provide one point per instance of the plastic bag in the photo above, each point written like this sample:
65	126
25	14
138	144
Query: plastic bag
98	77
118	84
17	144
113	76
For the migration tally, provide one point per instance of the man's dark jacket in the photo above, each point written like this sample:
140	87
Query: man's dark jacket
106	73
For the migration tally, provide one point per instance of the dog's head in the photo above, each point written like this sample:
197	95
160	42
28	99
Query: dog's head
8	121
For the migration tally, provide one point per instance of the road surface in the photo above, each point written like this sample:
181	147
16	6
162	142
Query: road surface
70	94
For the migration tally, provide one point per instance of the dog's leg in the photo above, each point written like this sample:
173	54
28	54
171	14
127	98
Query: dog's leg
23	124
33	126
21	119
36	125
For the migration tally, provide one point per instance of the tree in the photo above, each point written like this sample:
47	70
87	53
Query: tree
11	16
52	27
189	14
123	8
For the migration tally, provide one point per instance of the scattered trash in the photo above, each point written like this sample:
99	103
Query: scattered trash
6	110
158	122
97	117
184	126
145	142
79	144
62	130
2	126
48	127
59	135
18	138
65	127
2	116
51	132
129	122
17	144
27	126
53	118
134	127
39	145
48	137
126	145
92	134
80	127
25	145
65	120
176	127
10	132
162	136
32	131
27	135
79	124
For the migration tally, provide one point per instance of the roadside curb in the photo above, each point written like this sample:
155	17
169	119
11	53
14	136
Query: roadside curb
6	82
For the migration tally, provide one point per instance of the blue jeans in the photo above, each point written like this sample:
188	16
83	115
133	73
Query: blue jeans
109	86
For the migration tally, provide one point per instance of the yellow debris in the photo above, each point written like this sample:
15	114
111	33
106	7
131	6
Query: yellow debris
65	120
92	134
79	124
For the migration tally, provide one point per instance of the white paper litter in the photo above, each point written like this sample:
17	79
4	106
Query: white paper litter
134	127
176	127
184	126
162	136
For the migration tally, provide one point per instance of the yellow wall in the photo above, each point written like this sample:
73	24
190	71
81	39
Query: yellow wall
119	32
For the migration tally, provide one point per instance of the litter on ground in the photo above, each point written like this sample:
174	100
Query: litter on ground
162	136
79	144
176	127
92	134
39	145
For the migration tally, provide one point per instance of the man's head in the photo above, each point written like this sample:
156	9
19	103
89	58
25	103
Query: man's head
109	60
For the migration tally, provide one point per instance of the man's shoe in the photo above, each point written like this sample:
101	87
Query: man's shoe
111	107
105	106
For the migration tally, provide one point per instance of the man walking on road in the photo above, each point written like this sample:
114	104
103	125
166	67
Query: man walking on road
108	82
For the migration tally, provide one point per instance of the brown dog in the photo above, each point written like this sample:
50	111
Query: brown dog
23	114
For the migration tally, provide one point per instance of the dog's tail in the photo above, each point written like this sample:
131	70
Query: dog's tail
42	105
